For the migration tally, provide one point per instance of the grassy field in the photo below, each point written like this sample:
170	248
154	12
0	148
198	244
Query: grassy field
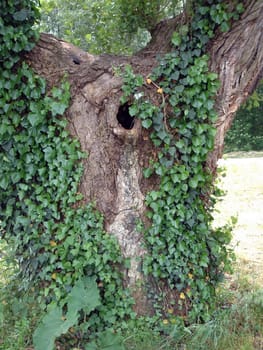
238	322
243	184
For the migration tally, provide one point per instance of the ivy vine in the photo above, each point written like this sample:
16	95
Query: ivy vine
183	247
55	240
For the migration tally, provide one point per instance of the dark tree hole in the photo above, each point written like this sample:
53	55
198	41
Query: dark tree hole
124	117
76	60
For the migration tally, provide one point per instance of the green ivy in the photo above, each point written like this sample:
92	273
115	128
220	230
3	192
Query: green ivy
56	241
183	247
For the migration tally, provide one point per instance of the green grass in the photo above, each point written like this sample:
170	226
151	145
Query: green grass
243	199
19	311
236	325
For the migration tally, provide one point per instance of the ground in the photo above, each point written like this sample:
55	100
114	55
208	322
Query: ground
243	184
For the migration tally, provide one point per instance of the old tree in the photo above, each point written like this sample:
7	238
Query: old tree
147	132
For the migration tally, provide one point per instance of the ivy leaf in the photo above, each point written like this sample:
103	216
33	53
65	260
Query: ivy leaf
154	195
35	118
193	182
4	182
212	76
147	172
108	341
154	206
176	39
21	15
57	108
203	10
147	123
157	219
162	134
240	8
179	88
180	144
225	27
175	75
133	110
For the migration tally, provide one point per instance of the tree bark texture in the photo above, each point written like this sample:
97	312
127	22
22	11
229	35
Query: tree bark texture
116	156
237	57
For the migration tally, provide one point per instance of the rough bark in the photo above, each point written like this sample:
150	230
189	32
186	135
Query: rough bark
116	156
237	57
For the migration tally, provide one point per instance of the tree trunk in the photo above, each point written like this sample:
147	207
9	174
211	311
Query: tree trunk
116	155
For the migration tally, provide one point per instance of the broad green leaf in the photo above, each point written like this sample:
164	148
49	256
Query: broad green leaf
51	327
111	341
84	295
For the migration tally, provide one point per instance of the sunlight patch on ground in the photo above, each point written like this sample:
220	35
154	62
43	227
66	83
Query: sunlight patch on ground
243	185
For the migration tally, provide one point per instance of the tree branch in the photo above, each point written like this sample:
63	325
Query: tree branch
237	57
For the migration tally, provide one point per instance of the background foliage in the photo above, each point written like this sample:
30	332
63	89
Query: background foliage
246	132
119	26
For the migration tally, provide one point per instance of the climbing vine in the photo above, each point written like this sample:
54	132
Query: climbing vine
55	240
183	247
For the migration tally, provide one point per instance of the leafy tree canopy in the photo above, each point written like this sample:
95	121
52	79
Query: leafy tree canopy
246	133
120	26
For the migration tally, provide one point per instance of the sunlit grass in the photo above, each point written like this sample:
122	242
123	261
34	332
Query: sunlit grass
236	325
